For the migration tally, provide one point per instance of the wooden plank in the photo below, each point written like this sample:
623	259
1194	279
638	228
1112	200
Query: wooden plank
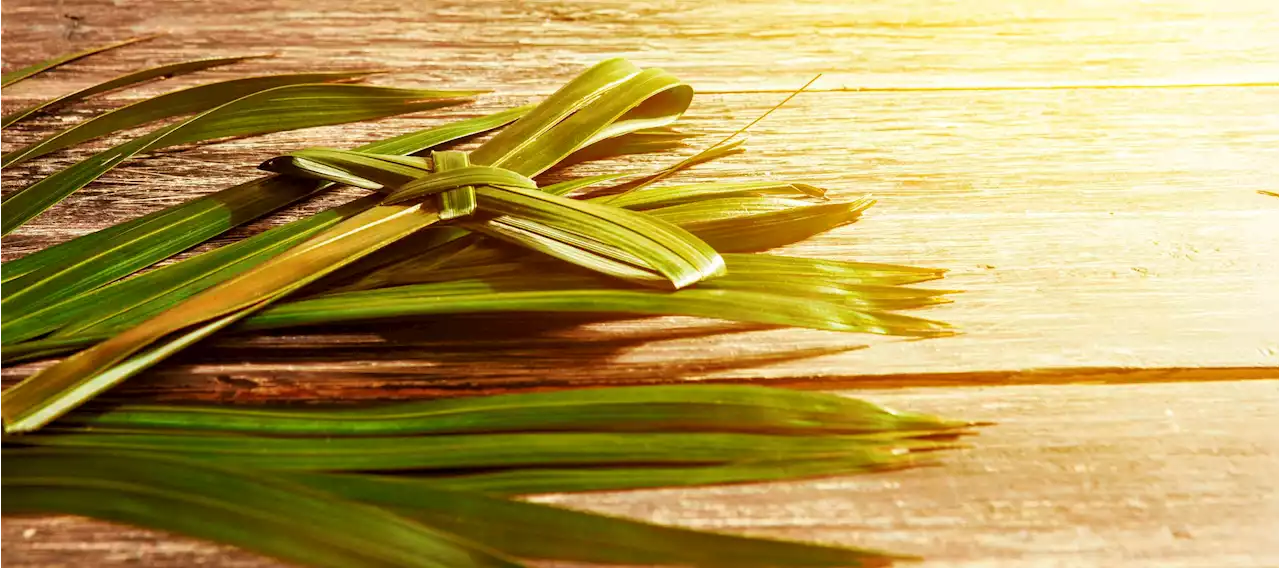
1119	227
1101	215
1133	475
1121	230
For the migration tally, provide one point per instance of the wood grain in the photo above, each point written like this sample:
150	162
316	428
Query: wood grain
1159	475
1087	170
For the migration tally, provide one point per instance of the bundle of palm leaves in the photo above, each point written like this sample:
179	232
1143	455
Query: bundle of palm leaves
444	232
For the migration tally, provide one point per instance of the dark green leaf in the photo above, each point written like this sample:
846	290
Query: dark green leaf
704	408
12	77
837	285
535	531
134	78
60	275
527	481
481	450
537	295
248	509
281	108
57	389
177	103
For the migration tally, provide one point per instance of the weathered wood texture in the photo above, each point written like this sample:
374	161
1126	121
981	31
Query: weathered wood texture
1088	171
1168	475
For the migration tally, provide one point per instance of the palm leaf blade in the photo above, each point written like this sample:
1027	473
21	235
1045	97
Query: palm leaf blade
535	531
729	304
281	108
14	76
499	450
528	481
46	395
60	274
160	72
246	509
706	408
187	101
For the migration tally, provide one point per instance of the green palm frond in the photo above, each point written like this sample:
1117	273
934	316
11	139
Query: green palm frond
17	75
616	98
187	101
430	483
159	72
275	109
244	508
59	277
704	408
542	532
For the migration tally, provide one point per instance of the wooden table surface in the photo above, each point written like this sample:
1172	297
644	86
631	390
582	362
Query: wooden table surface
1089	171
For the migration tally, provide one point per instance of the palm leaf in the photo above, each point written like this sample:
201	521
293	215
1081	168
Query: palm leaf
89	261
748	224
705	408
447	179
867	273
52	392
535	531
766	269
458	201
420	300
258	512
838	285
744	274
409	253
420	453
131	298
743	219
528	481
245	469
569	186
535	128
734	229
640	142
645	100
243	196
193	100
273	110
639	248
59	276
161	72
131	301
682	194
725	146
643	250
12	77
720	150
358	169
430	248
783	306
243	508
